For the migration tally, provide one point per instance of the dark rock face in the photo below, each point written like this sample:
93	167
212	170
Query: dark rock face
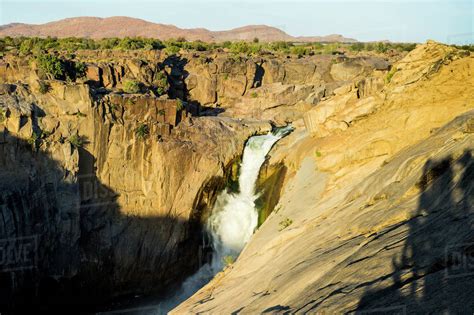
64	240
40	204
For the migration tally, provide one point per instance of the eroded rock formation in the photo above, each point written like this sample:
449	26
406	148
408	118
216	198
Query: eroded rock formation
108	184
376	213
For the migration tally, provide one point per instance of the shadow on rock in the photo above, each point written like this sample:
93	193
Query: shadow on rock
435	270
65	244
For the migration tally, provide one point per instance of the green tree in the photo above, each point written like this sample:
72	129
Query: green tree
357	47
132	87
51	65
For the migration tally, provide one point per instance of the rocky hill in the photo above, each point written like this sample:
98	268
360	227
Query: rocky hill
94	27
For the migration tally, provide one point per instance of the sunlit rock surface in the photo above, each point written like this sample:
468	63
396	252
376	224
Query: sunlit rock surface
379	192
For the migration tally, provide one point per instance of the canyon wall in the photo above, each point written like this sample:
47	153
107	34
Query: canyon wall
376	211
109	186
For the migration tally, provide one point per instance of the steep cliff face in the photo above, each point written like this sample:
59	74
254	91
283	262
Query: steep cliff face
266	87
269	87
107	185
377	206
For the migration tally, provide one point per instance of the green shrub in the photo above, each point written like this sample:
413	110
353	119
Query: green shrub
3	46
33	138
59	68
161	112
142	131
51	65
331	48
390	75
196	45
44	87
128	43
36	45
45	134
132	87
80	69
108	43
285	223
299	50
26	47
239	47
3	115
369	46
317	46
242	47
76	141
254	95
381	47
160	81
172	49
160	91
255	49
179	105
403	46
357	47
280	46
465	47
228	260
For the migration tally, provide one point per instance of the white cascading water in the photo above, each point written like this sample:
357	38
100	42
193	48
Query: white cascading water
233	218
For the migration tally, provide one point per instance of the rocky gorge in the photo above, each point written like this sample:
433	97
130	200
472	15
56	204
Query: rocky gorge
362	207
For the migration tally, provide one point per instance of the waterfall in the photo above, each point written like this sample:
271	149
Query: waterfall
234	217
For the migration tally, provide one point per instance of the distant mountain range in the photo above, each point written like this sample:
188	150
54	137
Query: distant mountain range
119	26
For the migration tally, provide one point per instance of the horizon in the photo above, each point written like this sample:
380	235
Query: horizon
449	22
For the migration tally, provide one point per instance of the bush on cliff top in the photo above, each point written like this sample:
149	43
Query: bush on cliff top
27	45
61	69
245	47
51	65
80	69
160	82
132	87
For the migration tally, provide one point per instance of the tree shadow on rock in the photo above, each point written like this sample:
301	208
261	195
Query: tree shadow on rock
65	244
435	270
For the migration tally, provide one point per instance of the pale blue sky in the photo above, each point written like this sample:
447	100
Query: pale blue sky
409	21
